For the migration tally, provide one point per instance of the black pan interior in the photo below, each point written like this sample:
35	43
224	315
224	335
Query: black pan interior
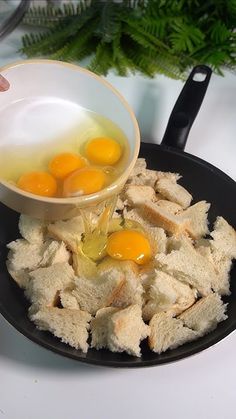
205	182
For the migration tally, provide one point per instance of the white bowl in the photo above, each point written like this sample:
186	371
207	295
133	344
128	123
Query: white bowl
44	98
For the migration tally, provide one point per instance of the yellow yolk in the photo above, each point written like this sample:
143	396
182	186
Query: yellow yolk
38	183
129	245
103	151
84	182
64	164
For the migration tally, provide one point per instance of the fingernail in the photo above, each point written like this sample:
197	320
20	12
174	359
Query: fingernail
4	84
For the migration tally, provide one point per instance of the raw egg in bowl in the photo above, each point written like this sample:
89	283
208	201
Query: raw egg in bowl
68	139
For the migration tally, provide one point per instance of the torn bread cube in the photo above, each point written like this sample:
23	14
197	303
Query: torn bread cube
21	277
32	229
167	332
135	195
174	192
160	217
197	217
153	213
188	265
165	293
224	238
69	231
222	265
173	177
68	300
205	314
25	255
55	252
158	239
140	175
119	330
46	283
70	326
136	216
139	167
98	292
146	178
132	290
169	206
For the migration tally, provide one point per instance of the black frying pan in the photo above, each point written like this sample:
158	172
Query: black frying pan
203	180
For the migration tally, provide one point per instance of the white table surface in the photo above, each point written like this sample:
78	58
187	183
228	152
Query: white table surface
36	384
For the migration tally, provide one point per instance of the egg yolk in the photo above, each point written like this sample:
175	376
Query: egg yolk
38	183
129	245
65	163
103	151
84	182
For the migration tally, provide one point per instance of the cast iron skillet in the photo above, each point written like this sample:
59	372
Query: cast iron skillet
201	178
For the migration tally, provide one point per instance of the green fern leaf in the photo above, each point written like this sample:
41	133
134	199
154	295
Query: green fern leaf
102	61
219	32
186	37
57	37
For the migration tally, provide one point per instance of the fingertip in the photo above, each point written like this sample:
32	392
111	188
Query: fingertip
4	84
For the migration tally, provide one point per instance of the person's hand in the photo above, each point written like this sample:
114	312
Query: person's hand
4	85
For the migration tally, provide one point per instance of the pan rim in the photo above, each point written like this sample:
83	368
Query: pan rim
190	156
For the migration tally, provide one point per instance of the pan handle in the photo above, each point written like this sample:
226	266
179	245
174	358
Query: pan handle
186	107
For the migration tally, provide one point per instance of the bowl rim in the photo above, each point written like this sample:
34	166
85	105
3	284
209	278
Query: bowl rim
120	181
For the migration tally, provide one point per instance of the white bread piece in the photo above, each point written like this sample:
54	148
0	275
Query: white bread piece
56	252
32	229
222	265
21	277
136	195
25	255
197	216
160	217
68	300
70	326
69	231
147	274
46	283
132	291
224	238
169	206
166	293
146	178
139	167
158	239
167	332
95	293
205	314
173	177
186	264
155	215
173	192
140	175
137	216
100	327
119	330
30	256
